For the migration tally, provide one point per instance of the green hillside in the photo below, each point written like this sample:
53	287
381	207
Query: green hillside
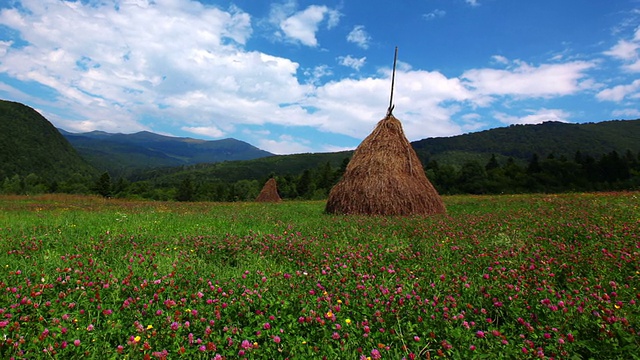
30	146
522	141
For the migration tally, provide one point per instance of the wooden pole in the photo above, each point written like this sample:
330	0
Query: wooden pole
393	80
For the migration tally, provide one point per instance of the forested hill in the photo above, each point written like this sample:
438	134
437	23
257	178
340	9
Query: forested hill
123	154
522	141
519	142
33	149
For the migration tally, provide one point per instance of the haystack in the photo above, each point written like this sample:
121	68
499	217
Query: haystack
385	177
269	192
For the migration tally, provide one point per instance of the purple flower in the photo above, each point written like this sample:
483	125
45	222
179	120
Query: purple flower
375	354
246	345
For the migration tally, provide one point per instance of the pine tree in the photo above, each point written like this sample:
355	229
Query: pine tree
186	190
103	185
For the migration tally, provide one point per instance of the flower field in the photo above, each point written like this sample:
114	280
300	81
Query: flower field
517	277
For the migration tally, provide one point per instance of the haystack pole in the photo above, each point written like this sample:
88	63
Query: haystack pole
269	192
385	176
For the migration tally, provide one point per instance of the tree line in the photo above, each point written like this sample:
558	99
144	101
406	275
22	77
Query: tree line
548	174
551	174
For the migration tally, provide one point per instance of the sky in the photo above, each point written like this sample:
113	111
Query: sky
298	76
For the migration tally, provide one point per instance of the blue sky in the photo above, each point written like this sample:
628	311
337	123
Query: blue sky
314	76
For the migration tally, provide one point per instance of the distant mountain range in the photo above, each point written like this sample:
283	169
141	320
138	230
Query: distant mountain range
30	144
123	154
519	142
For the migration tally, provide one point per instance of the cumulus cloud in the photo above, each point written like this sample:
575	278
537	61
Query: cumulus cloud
208	131
534	117
303	26
627	113
351	106
628	51
350	61
359	36
285	144
620	92
167	63
316	74
530	81
153	65
170	60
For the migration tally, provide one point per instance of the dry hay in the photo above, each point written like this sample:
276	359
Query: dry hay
385	177
269	192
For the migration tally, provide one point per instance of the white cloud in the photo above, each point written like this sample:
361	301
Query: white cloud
178	63
317	73
359	36
472	122
302	26
620	92
4	46
472	2
285	144
535	117
627	113
530	81
167	61
350	61
500	59
208	131
437	13
628	51
353	106
625	50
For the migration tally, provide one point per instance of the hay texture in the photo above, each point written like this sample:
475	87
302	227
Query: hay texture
269	192
385	177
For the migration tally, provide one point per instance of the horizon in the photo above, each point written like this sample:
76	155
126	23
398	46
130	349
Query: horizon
308	77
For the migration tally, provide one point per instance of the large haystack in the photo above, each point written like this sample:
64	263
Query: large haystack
385	177
269	192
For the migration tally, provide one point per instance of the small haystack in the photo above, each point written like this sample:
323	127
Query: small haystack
385	177
269	192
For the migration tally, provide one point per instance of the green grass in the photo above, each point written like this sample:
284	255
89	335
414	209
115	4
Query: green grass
527	276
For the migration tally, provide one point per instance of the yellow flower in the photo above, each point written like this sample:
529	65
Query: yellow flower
348	321
329	314
339	301
137	338
149	327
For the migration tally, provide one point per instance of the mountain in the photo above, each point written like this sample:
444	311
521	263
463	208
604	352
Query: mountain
123	154
519	142
30	144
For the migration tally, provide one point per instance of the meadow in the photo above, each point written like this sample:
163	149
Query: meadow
515	277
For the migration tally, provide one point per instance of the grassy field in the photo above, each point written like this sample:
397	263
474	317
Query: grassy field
526	277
